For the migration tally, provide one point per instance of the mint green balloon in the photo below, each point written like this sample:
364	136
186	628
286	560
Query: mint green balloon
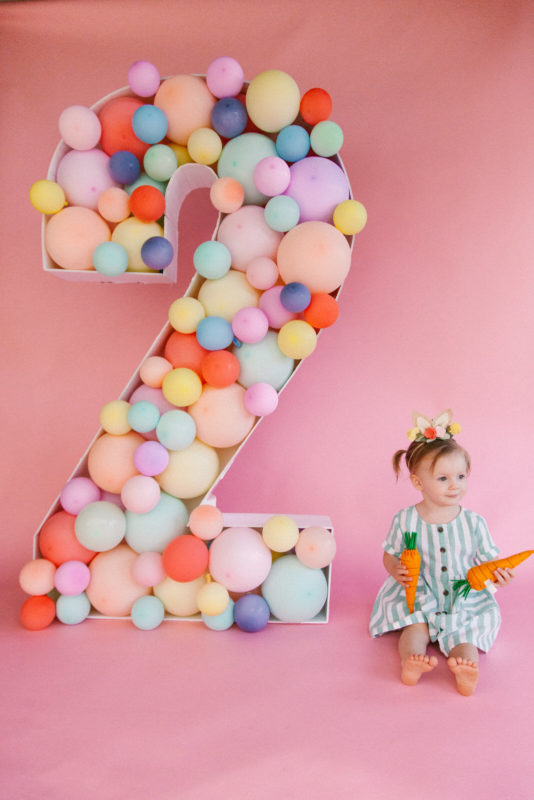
282	213
154	530
110	258
326	138
147	612
239	158
263	362
72	609
294	593
160	162
145	180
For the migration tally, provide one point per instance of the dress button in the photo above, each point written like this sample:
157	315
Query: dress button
444	569
446	592
440	529
442	550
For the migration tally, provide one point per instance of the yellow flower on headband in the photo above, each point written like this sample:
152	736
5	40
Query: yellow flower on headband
455	428
413	433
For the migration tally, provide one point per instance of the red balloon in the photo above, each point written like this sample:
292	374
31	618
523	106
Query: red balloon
117	132
37	612
184	350
322	311
185	558
220	368
58	541
315	106
147	203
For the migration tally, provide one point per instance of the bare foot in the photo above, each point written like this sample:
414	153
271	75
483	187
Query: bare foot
414	666
466	674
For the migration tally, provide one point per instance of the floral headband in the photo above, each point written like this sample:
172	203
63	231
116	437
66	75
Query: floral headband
427	430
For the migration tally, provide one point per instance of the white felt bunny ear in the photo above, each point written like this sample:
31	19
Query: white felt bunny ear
421	421
444	419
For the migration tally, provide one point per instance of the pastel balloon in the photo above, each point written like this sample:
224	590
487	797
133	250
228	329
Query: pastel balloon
272	175
213	599
72	235
143	416
114	204
149	123
251	613
79	127
143	78
132	234
37	576
295	296
47	197
72	577
262	273
114	417
293	143
148	569
206	521
261	399
112	590
204	146
315	106
183	349
179	599
227	195
273	100
297	339
316	254
153	370
73	609
222	621
117	131
37	613
100	526
229	117
221	416
185	558
326	138
191	471
294	592
224	76
214	333
322	311
239	559
157	252
250	324
220	368
110	258
140	494
280	533
147	613
187	103
316	547
84	175
247	236
160	162
317	185
225	296
111	460
76	494
176	430
212	259
263	362
153	395
151	458
58	541
181	386
350	217
271	305
239	158
152	531
124	166
145	180
282	213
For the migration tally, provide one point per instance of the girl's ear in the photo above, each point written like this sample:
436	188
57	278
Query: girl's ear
416	481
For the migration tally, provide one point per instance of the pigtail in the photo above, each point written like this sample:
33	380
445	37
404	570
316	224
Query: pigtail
397	461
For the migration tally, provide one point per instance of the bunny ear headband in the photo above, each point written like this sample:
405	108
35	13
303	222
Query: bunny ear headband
427	430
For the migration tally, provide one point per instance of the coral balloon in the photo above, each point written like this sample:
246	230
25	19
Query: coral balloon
206	521
185	558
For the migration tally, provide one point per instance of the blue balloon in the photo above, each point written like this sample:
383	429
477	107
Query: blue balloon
294	592
143	416
251	613
293	143
72	609
282	213
229	117
147	612
157	252
124	166
110	258
214	333
295	297
150	124
220	622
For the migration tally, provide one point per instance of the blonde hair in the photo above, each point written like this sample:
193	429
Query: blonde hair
419	450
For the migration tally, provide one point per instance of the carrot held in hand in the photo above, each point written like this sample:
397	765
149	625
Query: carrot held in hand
479	575
411	558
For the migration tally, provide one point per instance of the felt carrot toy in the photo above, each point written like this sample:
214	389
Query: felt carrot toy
411	558
479	575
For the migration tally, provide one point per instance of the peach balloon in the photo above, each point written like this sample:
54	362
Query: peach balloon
114	204
58	541
191	471
111	460
247	236
112	589
206	521
227	195
153	370
221	417
72	235
37	576
180	599
315	254
187	103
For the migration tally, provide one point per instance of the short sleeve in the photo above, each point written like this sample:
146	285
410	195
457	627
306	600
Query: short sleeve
394	541
486	547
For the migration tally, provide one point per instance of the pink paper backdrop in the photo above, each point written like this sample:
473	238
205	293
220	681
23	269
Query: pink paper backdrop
436	103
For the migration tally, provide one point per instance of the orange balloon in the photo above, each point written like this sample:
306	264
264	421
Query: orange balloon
58	541
111	460
185	558
37	612
117	132
220	368
147	203
322	311
206	521
183	350
315	106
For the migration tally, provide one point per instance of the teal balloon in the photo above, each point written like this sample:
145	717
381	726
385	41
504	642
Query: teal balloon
222	621
176	429
263	362
239	158
110	258
212	259
282	213
294	593
154	530
147	612
143	416
72	609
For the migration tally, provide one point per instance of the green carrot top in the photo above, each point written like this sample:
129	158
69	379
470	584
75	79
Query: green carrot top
410	540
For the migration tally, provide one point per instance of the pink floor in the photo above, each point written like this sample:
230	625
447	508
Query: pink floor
435	100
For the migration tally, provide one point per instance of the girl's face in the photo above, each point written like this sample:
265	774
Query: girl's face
444	484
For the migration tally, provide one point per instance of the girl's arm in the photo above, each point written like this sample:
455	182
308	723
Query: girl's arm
397	569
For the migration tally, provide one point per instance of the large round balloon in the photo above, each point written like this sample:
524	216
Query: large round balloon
180	599
239	559
294	592
315	254
155	529
221	416
112	590
247	236
191	471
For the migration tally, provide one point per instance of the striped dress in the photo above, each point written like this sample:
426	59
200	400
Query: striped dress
447	551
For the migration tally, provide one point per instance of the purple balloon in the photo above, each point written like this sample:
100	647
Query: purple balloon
251	613
151	458
318	185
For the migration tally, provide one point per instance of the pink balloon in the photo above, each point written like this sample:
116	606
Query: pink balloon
148	569
250	324
275	312
261	399
262	273
84	175
72	577
239	559
140	494
316	547
247	236
78	493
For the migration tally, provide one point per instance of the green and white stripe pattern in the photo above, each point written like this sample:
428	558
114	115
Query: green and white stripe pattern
447	552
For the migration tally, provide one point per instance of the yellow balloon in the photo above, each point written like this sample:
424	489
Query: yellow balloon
114	417
181	153
273	100
191	471
204	146
350	217
132	234
179	599
213	598
47	197
182	387
185	314
297	339
280	533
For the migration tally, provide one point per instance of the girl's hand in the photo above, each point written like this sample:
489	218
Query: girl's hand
397	569
503	576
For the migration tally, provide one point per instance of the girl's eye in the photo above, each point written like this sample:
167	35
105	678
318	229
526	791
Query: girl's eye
461	477
442	478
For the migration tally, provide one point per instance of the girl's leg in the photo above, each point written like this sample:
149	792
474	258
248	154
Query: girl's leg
412	650
463	663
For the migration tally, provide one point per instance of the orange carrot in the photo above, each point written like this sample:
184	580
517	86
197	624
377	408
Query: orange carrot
478	575
411	558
